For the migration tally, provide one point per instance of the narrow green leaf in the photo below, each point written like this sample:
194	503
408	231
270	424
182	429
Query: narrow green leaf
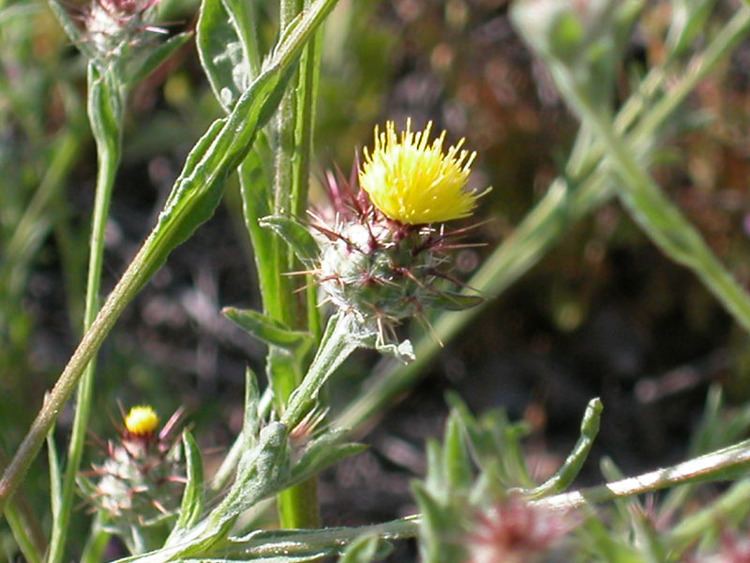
222	54
105	106
322	452
437	528
21	534
296	236
572	465
267	329
456	461
192	498
361	550
72	30
140	68
243	15
688	21
452	301
55	477
339	341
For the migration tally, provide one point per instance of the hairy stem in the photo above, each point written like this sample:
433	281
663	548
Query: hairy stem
108	136
703	468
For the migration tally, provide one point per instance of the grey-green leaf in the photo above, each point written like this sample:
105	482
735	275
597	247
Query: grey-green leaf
144	66
323	452
267	329
192	498
296	235
221	53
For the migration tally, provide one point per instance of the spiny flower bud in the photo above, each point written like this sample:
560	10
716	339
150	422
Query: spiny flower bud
141	421
114	25
384	258
140	481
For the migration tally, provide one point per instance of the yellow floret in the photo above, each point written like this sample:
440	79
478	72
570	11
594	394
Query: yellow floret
141	420
415	183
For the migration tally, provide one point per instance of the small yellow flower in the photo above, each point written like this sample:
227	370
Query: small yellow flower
141	421
414	182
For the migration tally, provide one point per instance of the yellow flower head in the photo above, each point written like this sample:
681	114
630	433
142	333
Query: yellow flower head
141	421
414	182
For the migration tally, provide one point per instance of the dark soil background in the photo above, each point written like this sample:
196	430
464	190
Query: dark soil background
605	314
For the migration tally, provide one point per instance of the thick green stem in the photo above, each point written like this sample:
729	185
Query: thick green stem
298	505
561	207
106	123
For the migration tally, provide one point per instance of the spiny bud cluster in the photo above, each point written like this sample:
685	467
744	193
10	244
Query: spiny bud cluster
113	25
141	479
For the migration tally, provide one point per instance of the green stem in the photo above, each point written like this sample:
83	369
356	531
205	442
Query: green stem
337	344
562	206
107	131
270	544
707	467
304	137
298	505
96	544
21	535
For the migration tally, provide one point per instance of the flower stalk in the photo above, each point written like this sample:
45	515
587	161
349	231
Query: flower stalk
106	98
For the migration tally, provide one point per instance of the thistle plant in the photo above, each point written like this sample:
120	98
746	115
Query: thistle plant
377	255
139	483
385	256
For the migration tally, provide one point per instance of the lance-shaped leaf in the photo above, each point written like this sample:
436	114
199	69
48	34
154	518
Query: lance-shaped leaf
296	236
192	498
323	452
362	550
222	54
452	301
268	330
139	68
